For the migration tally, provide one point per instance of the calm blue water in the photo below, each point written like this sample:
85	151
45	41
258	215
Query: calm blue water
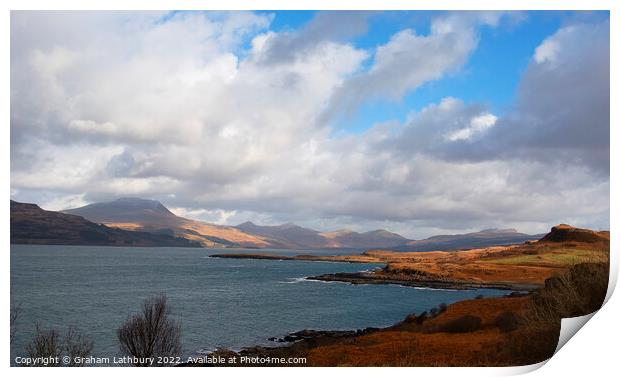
220	302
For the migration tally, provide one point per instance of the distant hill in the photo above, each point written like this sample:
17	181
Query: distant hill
567	233
32	225
371	239
152	216
126	210
288	235
484	238
296	237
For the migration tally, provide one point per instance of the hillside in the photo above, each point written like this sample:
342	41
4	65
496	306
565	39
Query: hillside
567	233
484	238
32	225
288	235
126	210
371	239
296	237
152	216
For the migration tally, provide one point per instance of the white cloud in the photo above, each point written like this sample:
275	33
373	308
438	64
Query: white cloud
546	51
477	125
561	112
219	216
409	60
176	109
64	202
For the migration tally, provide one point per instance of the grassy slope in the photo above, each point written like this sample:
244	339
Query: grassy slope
530	338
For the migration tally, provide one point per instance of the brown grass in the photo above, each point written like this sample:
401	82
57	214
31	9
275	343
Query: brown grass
481	332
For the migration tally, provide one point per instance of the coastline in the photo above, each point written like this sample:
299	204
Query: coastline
383	275
463	329
326	347
361	258
374	278
516	329
495	331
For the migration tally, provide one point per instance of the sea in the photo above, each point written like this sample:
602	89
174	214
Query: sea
219	303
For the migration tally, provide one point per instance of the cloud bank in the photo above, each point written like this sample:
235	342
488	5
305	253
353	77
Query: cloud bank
224	119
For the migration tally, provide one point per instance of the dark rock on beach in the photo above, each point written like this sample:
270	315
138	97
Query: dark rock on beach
379	278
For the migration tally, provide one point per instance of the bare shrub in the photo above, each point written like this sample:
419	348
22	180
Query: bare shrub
438	309
45	344
14	316
151	332
76	346
416	319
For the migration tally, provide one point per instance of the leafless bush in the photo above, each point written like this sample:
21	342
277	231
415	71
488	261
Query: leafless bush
435	311
77	345
45	344
15	313
151	332
48	344
416	319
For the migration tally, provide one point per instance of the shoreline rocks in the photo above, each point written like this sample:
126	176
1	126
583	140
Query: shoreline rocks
378	278
252	256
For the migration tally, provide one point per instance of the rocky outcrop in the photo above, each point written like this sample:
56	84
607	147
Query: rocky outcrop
567	233
416	281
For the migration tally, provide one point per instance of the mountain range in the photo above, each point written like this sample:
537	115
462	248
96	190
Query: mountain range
294	236
32	225
150	217
483	238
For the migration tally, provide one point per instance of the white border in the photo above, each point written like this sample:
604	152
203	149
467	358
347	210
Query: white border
316	4
595	350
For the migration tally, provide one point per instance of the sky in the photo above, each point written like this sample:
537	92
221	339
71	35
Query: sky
417	122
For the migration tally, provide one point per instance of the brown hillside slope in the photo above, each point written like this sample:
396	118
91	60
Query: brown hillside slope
567	233
151	216
32	225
